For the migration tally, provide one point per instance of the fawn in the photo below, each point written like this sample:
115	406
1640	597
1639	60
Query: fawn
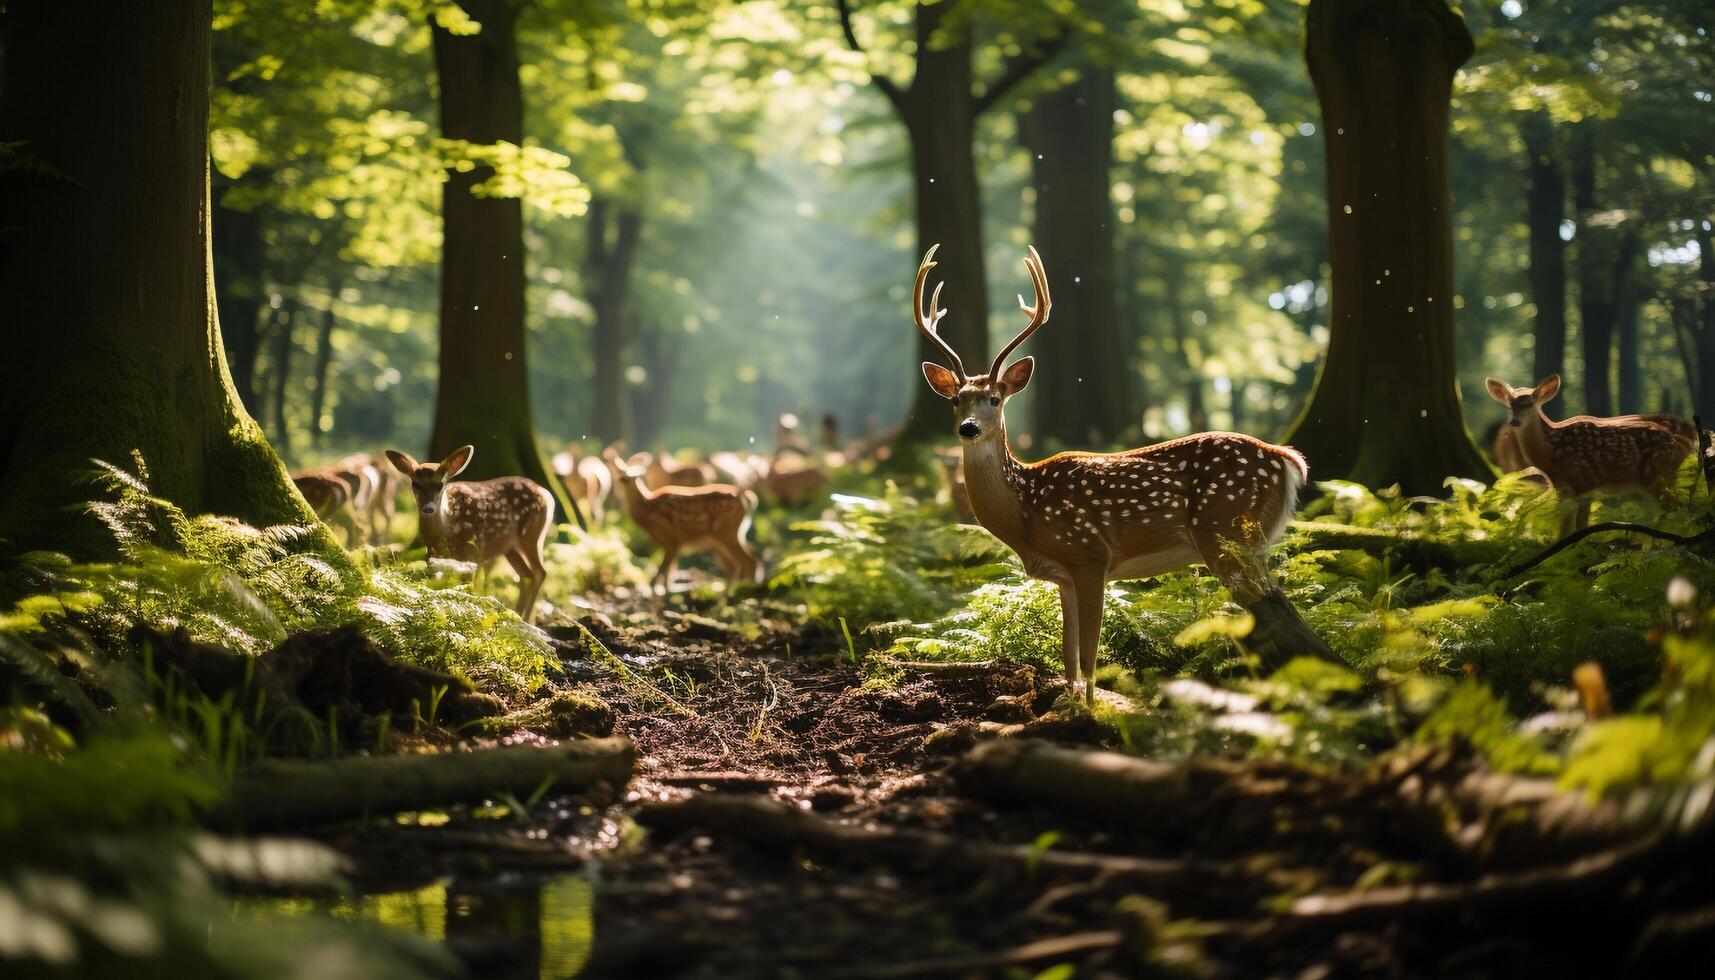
329	492
1584	454
587	480
482	520
1080	520
679	518
668	472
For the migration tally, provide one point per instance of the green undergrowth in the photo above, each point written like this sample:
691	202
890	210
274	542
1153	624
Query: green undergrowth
247	589
1468	652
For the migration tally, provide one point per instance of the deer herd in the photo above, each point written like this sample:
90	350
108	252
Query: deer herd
1076	519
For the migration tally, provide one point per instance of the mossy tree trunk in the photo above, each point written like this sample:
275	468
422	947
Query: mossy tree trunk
1083	387
483	397
1386	406
1545	210
106	277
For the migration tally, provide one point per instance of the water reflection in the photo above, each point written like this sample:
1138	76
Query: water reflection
505	928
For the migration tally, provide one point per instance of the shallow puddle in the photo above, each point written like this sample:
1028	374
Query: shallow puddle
511	928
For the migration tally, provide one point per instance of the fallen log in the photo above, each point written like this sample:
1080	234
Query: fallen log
1475	817
1413	550
1114	789
775	824
294	793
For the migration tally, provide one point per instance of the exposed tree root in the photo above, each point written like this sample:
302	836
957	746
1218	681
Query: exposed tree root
1603	528
286	793
766	821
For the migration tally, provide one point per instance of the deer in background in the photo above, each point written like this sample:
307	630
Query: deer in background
375	491
587	480
482	520
329	494
681	518
1585	454
664	471
1080	520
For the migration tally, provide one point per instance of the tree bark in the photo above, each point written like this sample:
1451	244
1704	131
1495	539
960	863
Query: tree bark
1703	321
940	119
483	398
1545	210
112	339
1082	385
1626	301
284	347
1595	299
611	264
1386	407
324	358
649	404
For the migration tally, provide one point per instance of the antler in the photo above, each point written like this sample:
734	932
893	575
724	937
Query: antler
926	321
1038	314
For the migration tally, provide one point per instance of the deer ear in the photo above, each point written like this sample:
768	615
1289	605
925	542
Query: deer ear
945	382
402	462
1500	391
1018	375
456	461
1548	388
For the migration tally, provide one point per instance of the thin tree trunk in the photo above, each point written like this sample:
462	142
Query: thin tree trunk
1196	411
238	259
284	347
1705	326
1386	407
1545	210
324	357
483	398
1626	302
1082	384
1595	299
941	122
611	267
112	342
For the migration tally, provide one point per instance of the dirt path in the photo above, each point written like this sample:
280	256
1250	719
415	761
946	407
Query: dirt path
785	716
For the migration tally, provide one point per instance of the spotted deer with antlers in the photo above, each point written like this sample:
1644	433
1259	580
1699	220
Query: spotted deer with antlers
1082	519
482	520
1587	454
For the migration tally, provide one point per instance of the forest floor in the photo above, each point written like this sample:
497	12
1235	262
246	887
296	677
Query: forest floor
784	723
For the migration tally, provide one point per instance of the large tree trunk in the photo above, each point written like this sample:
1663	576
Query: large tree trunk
1196	411
484	394
1545	209
940	119
1082	385
238	260
112	342
1595	299
1386	408
610	263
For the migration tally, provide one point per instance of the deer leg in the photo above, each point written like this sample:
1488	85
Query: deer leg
1091	590
664	574
1069	634
527	583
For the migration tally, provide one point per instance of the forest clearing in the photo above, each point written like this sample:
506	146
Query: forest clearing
483	493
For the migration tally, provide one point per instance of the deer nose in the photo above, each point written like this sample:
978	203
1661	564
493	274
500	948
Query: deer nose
428	510
969	429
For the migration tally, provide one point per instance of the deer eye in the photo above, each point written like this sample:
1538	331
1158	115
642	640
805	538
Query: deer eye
994	399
